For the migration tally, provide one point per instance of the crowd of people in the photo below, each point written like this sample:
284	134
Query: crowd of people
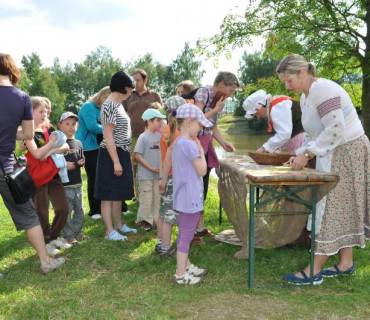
133	152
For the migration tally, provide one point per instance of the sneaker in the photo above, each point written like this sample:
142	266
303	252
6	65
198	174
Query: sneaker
61	243
96	216
115	236
187	278
157	248
195	271
55	264
205	233
146	226
52	251
126	212
168	254
197	240
126	229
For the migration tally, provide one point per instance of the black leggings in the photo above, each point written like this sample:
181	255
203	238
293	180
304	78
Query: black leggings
206	179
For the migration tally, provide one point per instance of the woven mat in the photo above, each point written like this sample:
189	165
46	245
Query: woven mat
229	236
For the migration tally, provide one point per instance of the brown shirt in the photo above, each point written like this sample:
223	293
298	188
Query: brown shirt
135	106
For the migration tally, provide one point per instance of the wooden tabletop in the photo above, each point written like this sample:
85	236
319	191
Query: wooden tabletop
262	174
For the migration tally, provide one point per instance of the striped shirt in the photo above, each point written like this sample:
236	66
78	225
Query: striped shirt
113	112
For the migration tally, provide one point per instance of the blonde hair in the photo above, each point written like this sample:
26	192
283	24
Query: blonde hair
187	85
101	96
172	122
293	64
155	105
38	101
47	104
227	78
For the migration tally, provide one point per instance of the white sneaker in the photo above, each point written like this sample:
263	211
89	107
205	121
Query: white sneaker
126	212
96	216
52	251
61	243
187	278
195	271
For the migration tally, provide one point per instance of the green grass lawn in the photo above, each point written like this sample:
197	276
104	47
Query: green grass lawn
112	280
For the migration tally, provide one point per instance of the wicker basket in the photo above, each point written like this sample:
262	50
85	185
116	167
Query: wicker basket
275	159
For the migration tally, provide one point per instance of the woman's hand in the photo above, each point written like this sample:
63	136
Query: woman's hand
299	162
262	150
118	169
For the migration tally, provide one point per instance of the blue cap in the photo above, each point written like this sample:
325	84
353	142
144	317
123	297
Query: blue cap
151	114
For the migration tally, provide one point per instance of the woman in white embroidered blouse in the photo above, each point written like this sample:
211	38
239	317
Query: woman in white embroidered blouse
337	140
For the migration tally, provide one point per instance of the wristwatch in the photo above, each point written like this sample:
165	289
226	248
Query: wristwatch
307	155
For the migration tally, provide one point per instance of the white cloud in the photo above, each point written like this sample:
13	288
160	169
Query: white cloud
71	29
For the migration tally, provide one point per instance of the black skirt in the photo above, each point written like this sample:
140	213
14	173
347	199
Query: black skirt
109	187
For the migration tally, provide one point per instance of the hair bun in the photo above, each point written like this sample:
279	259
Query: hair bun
173	113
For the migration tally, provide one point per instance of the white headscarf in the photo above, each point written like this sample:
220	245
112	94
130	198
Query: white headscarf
254	102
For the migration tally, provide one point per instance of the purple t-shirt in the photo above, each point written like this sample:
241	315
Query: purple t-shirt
187	184
15	106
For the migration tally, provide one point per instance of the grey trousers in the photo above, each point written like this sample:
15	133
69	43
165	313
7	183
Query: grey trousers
75	202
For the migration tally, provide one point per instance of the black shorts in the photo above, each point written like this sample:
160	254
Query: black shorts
109	187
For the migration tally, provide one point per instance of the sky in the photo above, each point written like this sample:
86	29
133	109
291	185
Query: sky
72	29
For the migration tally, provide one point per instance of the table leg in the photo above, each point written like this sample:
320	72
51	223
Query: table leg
313	231
251	235
220	216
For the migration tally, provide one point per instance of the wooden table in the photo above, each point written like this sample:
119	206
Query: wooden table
292	182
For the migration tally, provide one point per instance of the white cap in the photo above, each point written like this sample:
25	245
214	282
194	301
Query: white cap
254	102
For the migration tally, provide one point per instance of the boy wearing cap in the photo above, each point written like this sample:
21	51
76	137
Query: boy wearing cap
75	160
147	153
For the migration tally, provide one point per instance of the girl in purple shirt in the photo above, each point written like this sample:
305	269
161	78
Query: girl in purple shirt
189	166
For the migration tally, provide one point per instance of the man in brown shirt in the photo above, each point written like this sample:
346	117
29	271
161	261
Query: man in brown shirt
139	101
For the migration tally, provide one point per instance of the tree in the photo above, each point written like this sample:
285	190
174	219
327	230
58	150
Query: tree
332	33
184	67
255	66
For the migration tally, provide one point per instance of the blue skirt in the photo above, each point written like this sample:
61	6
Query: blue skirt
109	187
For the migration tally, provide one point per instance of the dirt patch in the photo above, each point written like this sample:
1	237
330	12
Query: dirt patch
233	306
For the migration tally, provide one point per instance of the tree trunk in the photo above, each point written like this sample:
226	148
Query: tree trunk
365	64
366	96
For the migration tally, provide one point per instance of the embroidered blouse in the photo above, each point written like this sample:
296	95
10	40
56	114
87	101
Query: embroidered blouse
329	117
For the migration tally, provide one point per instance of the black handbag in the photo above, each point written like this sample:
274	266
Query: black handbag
20	183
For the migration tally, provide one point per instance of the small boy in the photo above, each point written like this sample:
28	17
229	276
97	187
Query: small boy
75	160
147	153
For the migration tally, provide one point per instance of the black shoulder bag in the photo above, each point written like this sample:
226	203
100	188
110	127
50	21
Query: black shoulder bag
20	183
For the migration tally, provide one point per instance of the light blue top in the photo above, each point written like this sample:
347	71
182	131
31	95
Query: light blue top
89	127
